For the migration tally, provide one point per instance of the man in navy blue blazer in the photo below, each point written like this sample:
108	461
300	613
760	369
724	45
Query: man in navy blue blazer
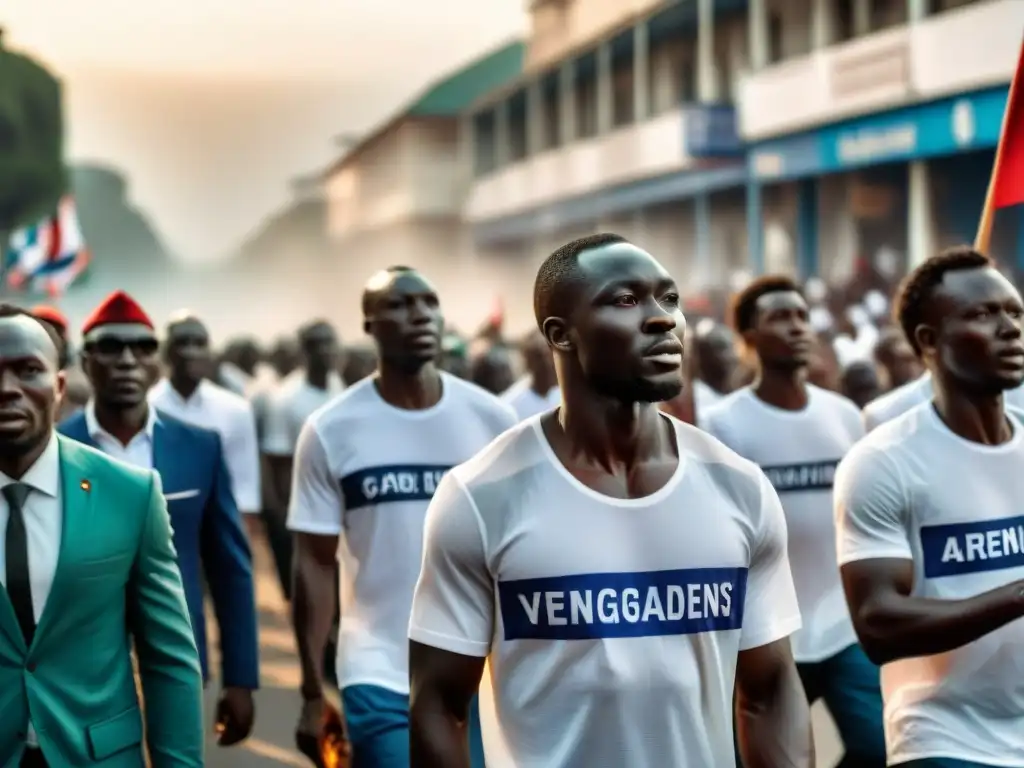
120	359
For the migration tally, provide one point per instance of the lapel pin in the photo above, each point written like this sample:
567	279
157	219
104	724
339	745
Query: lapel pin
86	486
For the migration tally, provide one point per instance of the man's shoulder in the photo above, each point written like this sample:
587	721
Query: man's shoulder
896	401
358	401
508	455
725	406
182	431
479	399
224	399
835	402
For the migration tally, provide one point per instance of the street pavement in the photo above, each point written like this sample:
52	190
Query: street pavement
277	701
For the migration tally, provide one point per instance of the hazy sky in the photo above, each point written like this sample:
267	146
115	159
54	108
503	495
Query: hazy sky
211	106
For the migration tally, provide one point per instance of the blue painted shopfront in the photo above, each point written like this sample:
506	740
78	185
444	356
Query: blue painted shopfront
962	130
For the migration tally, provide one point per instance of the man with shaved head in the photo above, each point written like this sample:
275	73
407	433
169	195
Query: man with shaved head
187	393
617	571
85	554
366	467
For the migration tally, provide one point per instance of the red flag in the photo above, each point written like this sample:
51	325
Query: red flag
497	317
1006	186
1008	175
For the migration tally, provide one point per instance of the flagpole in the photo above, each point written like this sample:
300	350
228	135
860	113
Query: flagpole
988	212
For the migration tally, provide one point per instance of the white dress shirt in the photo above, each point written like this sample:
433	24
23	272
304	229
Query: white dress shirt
138	452
43	526
230	416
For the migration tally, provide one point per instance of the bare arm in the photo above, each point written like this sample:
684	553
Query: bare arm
442	685
313	606
877	567
773	719
892	624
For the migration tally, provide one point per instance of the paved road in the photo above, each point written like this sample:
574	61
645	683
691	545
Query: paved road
277	703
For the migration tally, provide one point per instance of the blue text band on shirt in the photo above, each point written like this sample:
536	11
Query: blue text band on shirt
975	547
592	606
395	482
808	476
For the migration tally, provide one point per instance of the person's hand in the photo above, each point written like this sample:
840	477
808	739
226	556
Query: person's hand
320	734
236	714
334	747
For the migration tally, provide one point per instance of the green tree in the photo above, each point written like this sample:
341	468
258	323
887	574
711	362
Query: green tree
33	177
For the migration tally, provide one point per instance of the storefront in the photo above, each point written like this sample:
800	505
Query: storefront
894	185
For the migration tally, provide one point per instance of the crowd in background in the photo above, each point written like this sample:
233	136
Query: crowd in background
859	353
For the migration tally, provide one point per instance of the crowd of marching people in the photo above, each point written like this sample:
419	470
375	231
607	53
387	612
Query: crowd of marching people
650	532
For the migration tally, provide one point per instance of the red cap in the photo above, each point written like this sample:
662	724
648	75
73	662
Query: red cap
51	315
118	308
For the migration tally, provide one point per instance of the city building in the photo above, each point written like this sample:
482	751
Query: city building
871	128
731	137
622	120
396	195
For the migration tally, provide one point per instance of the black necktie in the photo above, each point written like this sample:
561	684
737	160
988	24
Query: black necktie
19	581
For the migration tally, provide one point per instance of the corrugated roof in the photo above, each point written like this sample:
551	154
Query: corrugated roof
457	91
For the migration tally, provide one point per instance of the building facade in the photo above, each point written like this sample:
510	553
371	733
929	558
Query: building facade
737	136
396	196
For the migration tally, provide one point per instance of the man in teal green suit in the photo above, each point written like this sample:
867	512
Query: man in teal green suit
85	552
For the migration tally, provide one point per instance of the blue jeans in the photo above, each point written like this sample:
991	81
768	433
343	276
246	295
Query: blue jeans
849	684
377	721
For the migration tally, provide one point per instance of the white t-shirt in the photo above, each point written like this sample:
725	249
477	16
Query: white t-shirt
365	471
799	451
611	626
289	407
704	398
230	415
525	401
900	400
914	490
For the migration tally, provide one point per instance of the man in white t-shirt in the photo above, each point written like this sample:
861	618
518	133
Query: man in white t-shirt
716	360
617	569
538	390
797	433
299	393
366	467
929	529
188	395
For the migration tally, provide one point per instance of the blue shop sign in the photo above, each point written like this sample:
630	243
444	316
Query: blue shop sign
710	131
958	124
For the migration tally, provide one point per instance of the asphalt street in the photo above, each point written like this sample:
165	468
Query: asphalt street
277	702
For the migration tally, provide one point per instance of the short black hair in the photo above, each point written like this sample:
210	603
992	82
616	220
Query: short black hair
560	270
743	309
59	342
919	286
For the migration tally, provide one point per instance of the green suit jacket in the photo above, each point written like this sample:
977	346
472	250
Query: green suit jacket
116	580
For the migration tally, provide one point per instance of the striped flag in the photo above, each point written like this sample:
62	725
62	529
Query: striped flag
49	256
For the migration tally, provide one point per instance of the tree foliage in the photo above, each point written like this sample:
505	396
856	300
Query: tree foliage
33	177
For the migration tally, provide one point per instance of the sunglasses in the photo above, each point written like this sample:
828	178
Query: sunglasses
110	347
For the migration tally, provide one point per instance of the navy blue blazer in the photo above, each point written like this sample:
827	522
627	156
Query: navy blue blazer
208	537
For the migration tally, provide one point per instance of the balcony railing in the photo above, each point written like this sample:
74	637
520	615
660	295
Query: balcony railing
972	47
671	142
